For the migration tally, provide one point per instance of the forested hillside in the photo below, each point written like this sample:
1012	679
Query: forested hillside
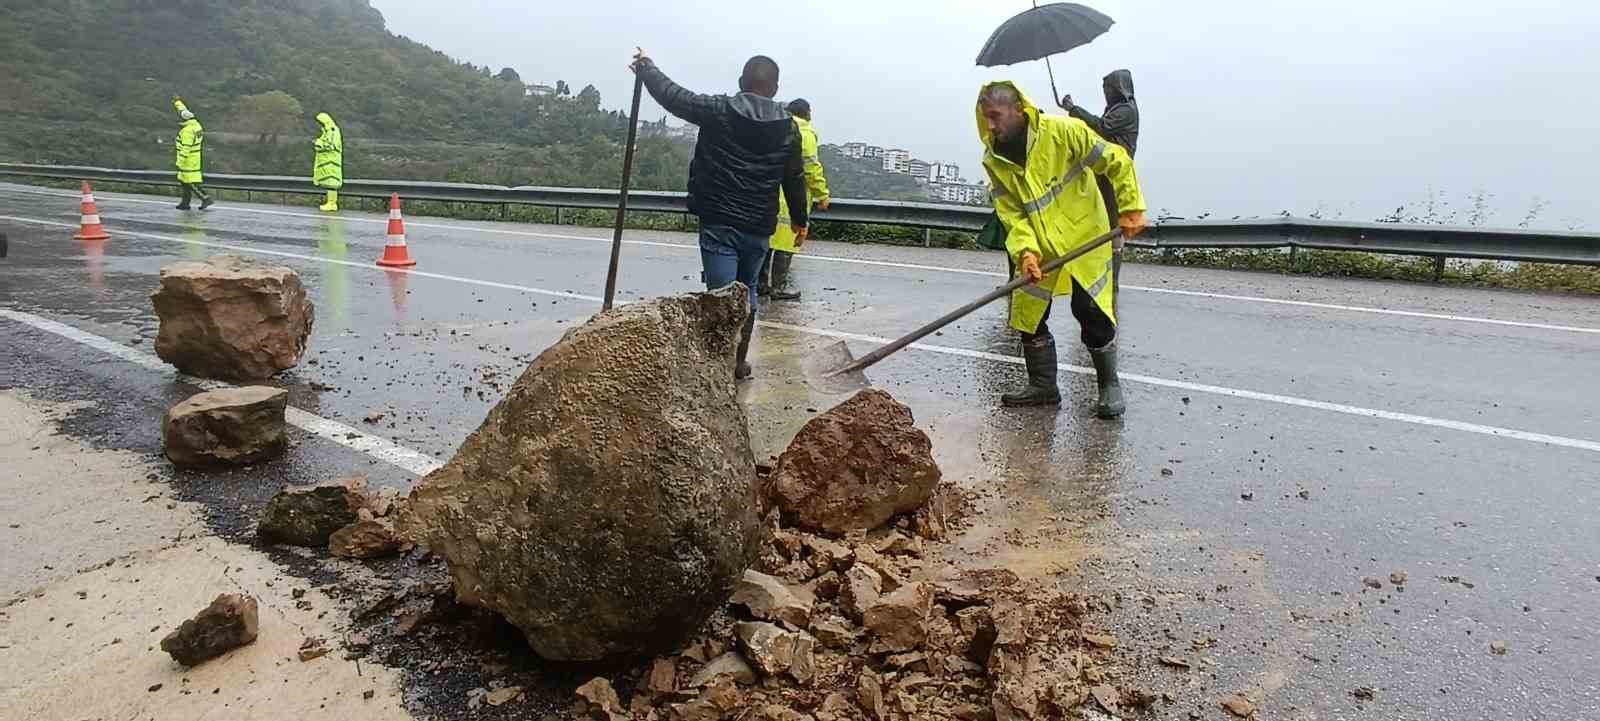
92	81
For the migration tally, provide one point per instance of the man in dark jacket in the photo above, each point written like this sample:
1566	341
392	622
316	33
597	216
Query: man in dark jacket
749	147
1120	124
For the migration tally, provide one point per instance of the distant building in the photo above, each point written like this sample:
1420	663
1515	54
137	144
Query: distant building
872	151
855	150
944	173
541	91
963	193
919	170
897	161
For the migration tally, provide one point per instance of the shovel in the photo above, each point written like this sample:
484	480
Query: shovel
835	370
622	199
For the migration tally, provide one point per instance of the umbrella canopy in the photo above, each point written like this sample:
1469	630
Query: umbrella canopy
1043	31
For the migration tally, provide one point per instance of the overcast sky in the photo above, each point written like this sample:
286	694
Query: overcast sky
1350	107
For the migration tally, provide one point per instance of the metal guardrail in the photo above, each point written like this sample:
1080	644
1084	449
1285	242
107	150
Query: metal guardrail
1435	241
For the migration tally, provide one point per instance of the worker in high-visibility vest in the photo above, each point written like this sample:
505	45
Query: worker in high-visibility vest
328	170
1041	171
189	147
775	275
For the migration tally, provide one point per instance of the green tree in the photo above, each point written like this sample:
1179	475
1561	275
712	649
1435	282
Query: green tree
268	114
509	75
590	97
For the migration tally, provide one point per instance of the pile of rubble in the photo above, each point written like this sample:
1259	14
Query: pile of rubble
863	627
851	614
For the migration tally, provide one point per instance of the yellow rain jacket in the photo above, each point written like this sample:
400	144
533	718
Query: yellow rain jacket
191	140
1049	213
816	186
328	173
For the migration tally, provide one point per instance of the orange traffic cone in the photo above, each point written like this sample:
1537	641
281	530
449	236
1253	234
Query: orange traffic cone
91	228
395	254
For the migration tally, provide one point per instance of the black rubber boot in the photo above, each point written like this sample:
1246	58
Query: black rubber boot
1040	356
206	202
741	366
1110	404
782	289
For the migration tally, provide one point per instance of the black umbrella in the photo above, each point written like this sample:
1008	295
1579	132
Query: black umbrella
1041	32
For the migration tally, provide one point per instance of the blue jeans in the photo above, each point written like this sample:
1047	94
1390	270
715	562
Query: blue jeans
727	255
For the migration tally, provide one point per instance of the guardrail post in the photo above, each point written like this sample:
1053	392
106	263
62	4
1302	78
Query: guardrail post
1438	268
505	210
561	216
1294	257
927	237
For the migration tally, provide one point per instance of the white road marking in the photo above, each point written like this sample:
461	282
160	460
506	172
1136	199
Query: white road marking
406	459
1411	418
1448	317
331	261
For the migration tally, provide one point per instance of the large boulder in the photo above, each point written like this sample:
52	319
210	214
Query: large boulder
233	426
855	466
608	504
231	318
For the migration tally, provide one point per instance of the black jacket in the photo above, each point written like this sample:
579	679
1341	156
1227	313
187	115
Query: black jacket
1120	124
749	147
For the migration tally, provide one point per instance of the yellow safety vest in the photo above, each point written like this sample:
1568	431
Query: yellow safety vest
328	171
1051	206
816	186
188	145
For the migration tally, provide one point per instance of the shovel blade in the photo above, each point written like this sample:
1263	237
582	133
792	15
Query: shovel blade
824	370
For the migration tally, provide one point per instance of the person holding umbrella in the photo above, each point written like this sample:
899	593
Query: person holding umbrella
1040	170
1120	124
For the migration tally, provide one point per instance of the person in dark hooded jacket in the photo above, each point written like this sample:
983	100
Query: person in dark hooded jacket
749	147
1119	124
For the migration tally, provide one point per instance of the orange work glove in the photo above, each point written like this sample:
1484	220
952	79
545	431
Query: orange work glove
800	233
1132	224
1030	267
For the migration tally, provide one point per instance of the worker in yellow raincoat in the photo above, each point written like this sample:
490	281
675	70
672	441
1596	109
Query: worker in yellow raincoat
775	274
328	169
189	147
1041	173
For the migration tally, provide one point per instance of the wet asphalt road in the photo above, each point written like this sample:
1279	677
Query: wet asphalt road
1190	511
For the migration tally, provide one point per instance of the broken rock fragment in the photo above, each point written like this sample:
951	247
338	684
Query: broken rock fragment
856	466
1239	706
861	589
367	538
310	515
232	318
607	505
229	622
771	600
233	426
900	619
730	664
597	701
769	648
